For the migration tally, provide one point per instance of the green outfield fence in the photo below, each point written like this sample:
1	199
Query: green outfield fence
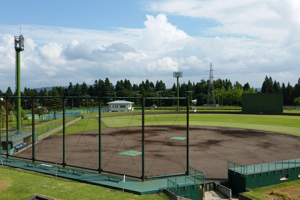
242	177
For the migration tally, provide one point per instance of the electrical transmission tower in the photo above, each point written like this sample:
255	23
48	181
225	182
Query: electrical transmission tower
211	101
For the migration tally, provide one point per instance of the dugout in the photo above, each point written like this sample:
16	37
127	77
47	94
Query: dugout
262	103
190	187
242	177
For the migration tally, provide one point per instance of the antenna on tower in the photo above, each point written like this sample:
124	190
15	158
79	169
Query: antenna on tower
211	101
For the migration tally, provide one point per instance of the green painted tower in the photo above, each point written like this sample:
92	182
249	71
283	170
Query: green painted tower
19	46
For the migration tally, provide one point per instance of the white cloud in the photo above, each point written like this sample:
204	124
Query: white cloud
51	51
160	35
165	64
256	18
253	39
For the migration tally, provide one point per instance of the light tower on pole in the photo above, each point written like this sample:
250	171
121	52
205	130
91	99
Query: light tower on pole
19	46
177	75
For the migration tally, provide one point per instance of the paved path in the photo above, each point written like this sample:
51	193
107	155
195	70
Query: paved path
215	195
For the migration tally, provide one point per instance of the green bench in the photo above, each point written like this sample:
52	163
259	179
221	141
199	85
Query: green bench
45	166
9	160
78	172
32	164
64	169
116	178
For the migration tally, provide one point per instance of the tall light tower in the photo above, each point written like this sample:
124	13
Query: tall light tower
211	101
177	75
19	46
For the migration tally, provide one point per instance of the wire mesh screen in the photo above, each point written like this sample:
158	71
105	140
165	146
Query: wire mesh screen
121	136
165	137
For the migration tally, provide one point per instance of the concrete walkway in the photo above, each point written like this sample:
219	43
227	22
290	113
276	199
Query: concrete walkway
215	195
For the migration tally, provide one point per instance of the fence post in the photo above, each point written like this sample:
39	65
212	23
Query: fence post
64	134
33	132
6	127
100	150
187	136
143	139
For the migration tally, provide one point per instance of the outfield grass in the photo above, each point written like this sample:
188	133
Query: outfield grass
274	123
82	125
21	184
287	190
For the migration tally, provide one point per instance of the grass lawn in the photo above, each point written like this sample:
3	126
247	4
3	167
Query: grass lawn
21	184
82	125
287	190
275	123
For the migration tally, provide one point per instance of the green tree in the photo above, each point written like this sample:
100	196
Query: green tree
40	111
268	85
246	87
296	92
108	88
283	88
2	117
288	93
55	104
84	89
11	116
70	89
276	87
297	101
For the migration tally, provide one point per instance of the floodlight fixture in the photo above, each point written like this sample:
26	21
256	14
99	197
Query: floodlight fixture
19	43
177	74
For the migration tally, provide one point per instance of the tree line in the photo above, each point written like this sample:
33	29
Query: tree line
225	92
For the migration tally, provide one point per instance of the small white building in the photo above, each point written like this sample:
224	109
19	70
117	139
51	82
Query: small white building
120	105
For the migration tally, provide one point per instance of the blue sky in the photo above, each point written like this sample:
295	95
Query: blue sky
76	41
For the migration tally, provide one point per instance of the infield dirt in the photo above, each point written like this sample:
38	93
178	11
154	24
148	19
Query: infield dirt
210	149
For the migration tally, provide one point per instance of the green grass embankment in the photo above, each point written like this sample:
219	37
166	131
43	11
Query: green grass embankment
19	184
287	191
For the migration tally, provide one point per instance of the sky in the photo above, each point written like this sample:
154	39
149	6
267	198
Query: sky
83	41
